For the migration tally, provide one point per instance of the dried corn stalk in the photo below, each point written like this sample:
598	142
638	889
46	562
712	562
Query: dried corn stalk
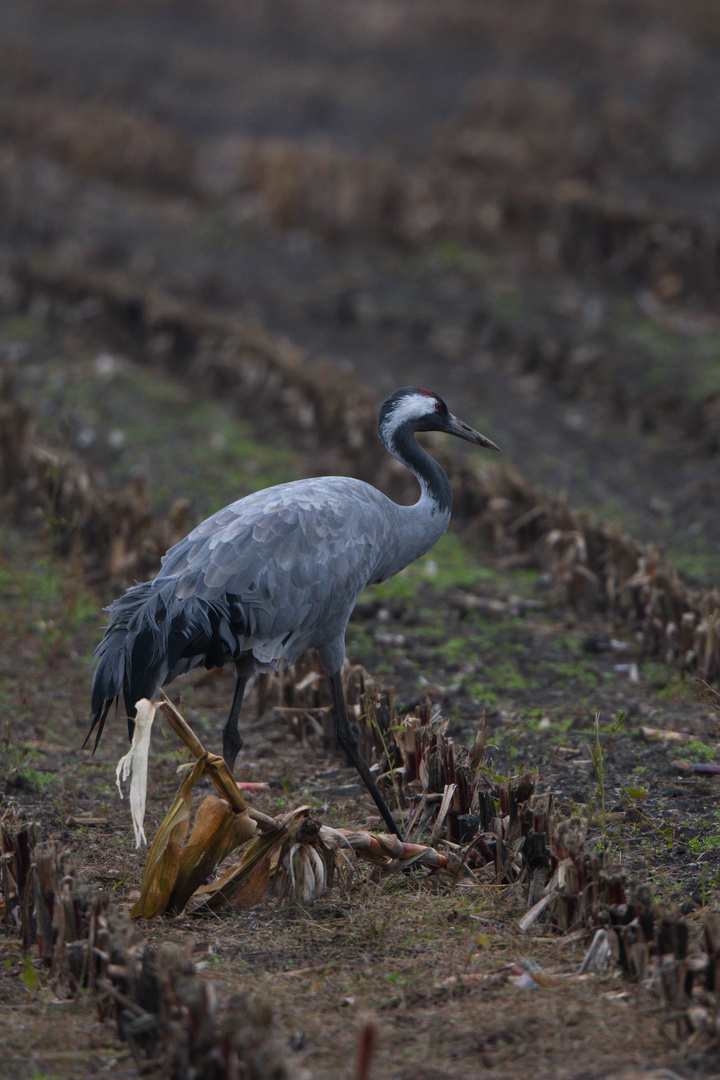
389	852
294	857
289	859
169	1016
297	859
174	868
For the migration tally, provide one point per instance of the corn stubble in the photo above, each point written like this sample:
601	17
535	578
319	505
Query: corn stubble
293	857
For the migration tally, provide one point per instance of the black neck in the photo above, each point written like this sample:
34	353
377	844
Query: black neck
430	475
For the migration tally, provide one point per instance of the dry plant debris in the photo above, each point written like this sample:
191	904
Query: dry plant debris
473	188
112	532
498	831
169	1016
165	1011
294	857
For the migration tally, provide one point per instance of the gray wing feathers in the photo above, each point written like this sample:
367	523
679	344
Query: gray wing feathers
274	573
294	557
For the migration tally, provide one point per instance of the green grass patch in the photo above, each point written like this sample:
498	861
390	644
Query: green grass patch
138	421
450	564
694	750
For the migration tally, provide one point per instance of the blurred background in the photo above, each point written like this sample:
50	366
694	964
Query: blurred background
516	205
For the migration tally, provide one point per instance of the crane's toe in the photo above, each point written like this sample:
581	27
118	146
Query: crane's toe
232	745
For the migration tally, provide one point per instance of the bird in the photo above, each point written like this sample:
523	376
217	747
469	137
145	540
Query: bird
276	573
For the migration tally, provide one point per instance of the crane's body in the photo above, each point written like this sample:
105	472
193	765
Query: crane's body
276	573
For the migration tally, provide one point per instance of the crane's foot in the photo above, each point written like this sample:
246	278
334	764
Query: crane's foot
349	745
232	745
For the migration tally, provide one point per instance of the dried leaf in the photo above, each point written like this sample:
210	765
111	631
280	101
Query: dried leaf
135	765
244	884
217	830
163	862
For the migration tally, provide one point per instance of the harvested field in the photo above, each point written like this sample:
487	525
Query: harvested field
226	233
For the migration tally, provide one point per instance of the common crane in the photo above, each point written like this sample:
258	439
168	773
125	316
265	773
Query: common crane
275	573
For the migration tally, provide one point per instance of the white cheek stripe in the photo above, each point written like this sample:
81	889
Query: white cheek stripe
409	408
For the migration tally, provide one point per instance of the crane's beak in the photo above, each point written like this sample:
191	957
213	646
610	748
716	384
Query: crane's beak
464	431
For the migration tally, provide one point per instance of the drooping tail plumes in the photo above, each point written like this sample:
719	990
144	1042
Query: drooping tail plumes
151	638
129	657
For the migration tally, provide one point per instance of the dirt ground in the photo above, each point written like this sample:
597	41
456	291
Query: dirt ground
517	207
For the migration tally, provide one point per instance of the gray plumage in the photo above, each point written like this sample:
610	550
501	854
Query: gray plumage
276	573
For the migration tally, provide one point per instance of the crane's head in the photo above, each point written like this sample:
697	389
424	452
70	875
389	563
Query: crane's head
413	409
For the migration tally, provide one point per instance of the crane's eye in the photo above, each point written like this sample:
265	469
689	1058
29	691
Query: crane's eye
438	406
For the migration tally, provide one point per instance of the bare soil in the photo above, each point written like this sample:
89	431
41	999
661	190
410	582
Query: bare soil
517	207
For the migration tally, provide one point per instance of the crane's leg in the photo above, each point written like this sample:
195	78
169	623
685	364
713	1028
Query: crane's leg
347	739
232	739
